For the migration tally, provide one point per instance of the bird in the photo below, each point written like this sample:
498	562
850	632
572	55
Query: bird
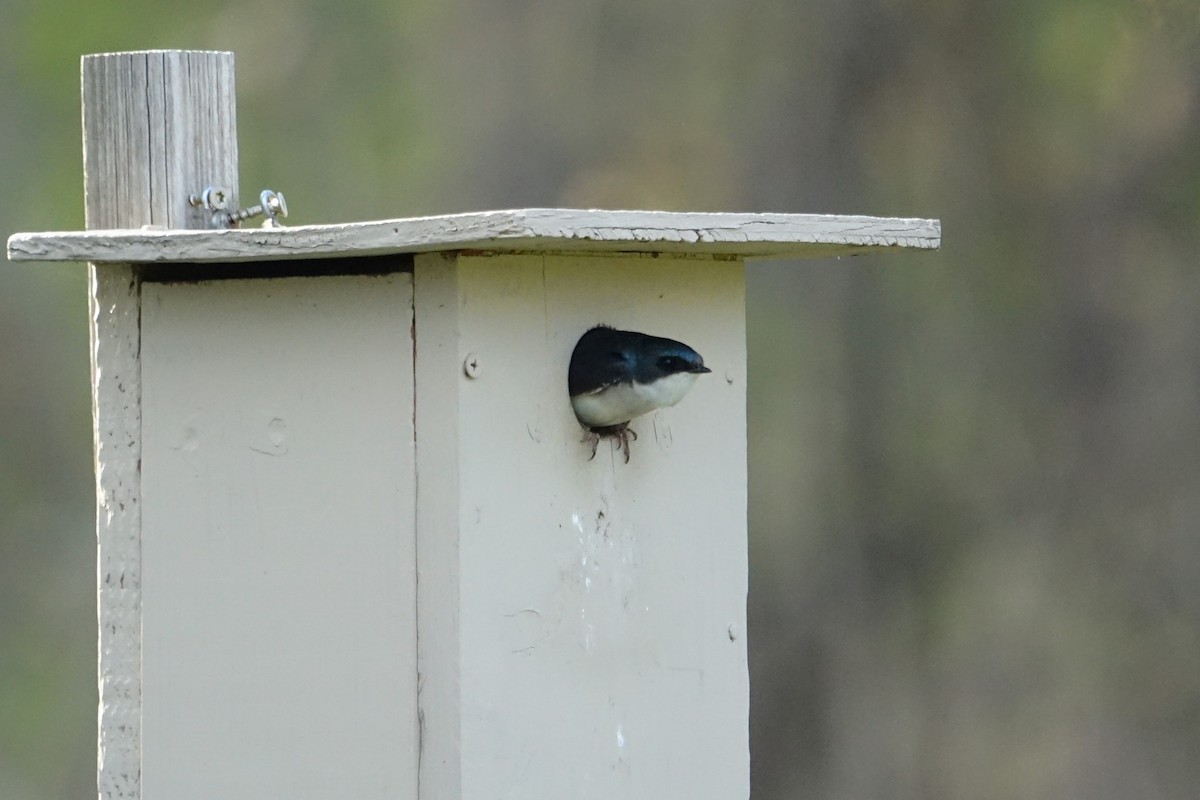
616	376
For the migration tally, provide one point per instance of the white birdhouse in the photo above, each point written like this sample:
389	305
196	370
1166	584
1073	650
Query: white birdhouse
353	541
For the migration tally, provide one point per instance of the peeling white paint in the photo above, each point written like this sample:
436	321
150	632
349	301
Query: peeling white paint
542	229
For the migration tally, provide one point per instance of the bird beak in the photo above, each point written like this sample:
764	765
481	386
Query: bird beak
700	370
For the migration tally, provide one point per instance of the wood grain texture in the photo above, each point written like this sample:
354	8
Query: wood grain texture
534	229
580	620
143	114
278	614
159	125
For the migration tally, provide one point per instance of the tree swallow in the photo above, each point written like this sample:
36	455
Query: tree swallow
615	376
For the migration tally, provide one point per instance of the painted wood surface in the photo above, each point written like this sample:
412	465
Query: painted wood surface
141	112
278	590
580	621
114	308
540	229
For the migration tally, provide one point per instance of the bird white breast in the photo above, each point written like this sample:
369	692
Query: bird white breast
622	402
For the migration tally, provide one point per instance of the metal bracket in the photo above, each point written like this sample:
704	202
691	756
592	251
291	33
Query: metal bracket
215	200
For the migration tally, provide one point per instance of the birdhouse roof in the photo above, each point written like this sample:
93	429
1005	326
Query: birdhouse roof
521	230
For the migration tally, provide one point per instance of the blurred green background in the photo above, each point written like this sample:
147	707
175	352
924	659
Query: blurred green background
975	474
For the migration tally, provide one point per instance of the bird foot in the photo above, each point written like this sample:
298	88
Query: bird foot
620	432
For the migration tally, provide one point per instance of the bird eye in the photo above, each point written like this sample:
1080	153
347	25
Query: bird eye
671	364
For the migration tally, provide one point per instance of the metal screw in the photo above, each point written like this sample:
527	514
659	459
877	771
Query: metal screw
471	366
270	203
213	198
216	200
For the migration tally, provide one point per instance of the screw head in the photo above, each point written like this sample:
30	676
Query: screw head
472	366
213	198
273	203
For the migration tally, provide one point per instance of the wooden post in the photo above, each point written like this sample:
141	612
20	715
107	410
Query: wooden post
157	126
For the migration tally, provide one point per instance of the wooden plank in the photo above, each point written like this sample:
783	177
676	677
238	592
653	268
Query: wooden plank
439	654
113	305
580	621
278	599
130	107
540	229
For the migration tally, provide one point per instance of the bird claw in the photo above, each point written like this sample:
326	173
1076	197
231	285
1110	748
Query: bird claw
620	432
623	436
594	439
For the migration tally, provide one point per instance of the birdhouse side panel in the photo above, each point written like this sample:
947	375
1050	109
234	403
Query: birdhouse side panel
278	613
601	602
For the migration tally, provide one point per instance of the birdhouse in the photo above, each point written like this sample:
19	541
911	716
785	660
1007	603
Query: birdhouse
354	538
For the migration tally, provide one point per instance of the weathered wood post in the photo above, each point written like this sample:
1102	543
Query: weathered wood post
351	541
154	123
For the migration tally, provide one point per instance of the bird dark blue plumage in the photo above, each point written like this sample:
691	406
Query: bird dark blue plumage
616	376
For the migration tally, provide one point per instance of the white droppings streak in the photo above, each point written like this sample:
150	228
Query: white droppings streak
620	736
